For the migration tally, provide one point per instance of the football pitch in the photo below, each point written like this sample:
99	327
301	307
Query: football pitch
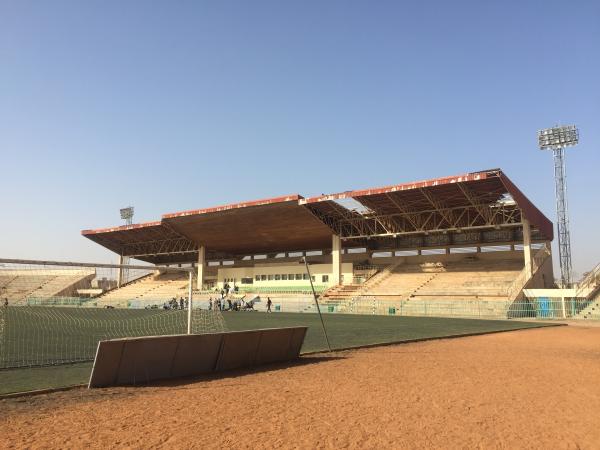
344	331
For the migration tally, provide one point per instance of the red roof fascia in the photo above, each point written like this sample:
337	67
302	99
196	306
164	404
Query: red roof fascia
121	228
266	201
402	187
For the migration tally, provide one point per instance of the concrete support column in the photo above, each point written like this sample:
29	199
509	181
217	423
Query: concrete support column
120	272
527	246
336	259
200	266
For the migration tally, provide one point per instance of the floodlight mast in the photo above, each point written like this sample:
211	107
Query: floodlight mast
557	139
127	215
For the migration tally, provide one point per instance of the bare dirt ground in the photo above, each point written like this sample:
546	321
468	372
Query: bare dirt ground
525	389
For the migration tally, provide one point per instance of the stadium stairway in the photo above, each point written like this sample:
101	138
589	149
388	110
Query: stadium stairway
337	294
592	310
402	281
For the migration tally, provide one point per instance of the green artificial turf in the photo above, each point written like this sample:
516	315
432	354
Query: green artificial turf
31	336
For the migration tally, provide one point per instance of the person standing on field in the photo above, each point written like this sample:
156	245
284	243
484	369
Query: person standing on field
269	303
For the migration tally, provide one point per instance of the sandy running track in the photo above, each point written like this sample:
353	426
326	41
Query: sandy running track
525	389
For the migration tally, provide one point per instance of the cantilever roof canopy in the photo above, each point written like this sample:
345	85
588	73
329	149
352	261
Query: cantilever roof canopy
471	201
476	207
268	226
261	226
150	241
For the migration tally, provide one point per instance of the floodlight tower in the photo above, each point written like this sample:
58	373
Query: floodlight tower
127	215
557	139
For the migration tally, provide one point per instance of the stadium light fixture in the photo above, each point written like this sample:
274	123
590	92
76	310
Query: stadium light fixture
127	214
557	139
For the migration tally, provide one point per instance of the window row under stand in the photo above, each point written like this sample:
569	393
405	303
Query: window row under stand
276	277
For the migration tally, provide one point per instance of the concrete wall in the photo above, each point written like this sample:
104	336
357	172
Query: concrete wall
272	270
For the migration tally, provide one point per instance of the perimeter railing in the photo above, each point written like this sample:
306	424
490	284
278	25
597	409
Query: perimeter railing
540	308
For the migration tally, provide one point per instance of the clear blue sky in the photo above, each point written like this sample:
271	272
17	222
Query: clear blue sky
177	105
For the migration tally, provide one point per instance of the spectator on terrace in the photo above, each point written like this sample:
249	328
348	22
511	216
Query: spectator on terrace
181	302
5	302
210	304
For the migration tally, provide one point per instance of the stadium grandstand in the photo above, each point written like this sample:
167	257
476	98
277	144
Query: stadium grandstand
23	286
456	241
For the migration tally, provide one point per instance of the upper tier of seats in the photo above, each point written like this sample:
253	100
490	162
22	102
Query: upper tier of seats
159	287
20	284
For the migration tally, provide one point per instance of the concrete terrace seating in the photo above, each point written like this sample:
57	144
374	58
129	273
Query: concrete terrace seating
20	284
400	280
151	287
471	280
465	280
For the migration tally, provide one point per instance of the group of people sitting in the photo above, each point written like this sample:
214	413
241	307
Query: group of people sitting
176	304
227	304
236	304
224	302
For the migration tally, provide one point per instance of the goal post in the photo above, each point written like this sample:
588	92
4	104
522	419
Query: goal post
57	311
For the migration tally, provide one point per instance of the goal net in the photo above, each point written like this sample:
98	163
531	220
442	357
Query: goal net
55	313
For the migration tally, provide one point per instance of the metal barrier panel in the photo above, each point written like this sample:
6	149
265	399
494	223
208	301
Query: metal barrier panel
145	359
239	349
276	345
298	335
106	364
196	354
